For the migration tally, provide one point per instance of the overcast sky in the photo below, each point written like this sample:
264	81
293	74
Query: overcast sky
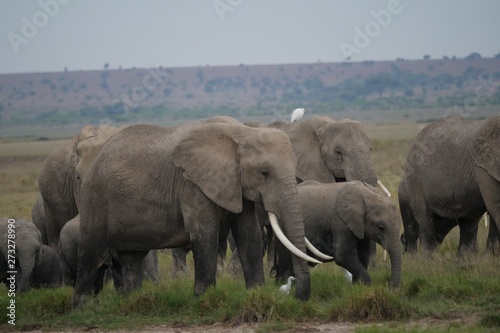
49	35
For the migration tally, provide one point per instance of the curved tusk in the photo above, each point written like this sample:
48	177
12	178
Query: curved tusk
316	252
379	183
281	236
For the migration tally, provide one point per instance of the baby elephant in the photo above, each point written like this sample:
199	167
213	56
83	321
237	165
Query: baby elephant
68	246
22	252
340	219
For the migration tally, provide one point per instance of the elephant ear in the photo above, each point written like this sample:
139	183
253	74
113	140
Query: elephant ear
209	157
351	208
486	147
306	145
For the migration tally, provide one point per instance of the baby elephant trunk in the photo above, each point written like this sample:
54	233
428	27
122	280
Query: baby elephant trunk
394	251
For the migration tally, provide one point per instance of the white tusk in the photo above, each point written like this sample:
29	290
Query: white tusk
486	218
379	183
385	255
281	236
316	252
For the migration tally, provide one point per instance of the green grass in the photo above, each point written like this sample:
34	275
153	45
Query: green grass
437	294
431	289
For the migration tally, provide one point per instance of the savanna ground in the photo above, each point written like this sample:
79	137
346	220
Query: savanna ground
437	294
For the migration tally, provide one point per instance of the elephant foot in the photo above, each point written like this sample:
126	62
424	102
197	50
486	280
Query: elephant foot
79	300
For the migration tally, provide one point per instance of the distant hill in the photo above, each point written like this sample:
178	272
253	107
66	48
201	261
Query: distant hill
174	94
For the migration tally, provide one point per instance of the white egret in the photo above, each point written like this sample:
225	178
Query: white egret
297	114
286	287
348	276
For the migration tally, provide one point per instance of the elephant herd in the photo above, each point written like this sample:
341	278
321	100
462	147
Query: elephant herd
110	197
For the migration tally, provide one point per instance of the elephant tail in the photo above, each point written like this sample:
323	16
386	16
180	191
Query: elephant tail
411	231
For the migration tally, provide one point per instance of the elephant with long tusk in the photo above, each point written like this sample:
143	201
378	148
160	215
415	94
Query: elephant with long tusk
153	188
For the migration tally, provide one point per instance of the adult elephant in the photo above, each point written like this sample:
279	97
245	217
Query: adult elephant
151	188
58	181
28	251
340	219
452	177
331	151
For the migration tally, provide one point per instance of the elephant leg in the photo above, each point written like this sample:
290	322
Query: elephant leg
132	269
347	256
205	264
411	232
443	226
468	235
434	232
426	224
69	275
99	279
179	260
365	250
116	270
248	238
222	252
202	219
150	266
271	250
490	191
223	243
90	259
493	241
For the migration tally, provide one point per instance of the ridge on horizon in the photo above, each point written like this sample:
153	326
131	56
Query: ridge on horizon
247	65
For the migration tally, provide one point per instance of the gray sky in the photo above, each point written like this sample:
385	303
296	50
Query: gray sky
48	35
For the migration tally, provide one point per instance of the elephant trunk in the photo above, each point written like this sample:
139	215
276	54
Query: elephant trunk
26	271
394	250
292	224
362	169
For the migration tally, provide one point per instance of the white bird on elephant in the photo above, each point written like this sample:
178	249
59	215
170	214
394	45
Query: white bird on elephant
286	287
297	114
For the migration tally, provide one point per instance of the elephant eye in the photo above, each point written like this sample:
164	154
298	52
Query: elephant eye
381	228
265	173
338	153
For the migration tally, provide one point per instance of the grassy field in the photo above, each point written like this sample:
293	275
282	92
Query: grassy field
437	294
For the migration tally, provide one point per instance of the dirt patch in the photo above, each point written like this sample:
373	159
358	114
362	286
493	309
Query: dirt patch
225	328
427	323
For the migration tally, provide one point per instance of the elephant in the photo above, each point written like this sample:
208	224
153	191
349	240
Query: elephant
68	247
38	218
329	151
27	243
452	177
48	273
59	181
152	188
341	218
